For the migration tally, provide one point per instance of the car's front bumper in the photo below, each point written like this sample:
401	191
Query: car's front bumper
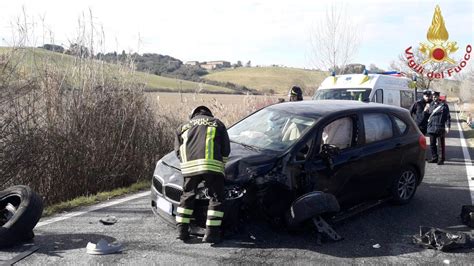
165	201
168	213
165	216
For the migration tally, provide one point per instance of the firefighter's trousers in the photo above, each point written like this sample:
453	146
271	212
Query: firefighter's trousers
215	186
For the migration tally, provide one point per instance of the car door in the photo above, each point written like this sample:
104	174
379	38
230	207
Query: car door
342	132
381	154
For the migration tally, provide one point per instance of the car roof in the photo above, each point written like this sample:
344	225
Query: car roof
315	108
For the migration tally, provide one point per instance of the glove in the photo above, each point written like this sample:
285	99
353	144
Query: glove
447	130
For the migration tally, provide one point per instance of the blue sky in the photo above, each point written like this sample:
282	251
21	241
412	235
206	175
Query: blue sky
265	32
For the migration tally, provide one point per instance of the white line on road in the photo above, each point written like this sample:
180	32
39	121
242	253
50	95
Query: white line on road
92	208
467	158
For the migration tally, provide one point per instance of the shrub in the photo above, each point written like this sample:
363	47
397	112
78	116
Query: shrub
73	126
75	130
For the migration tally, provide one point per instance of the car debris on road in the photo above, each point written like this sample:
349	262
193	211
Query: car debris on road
467	215
443	240
103	247
20	211
21	256
108	220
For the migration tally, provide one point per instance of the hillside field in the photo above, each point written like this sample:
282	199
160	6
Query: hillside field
28	59
271	79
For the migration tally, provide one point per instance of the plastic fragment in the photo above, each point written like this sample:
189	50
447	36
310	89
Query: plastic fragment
109	220
103	247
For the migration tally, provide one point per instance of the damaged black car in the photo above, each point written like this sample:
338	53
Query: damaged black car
304	161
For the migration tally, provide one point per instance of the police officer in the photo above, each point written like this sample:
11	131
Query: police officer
439	123
419	111
202	145
295	94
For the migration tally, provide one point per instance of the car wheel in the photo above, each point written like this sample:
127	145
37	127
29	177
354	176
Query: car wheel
20	211
404	186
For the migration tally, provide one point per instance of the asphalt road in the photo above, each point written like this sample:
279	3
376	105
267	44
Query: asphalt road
146	240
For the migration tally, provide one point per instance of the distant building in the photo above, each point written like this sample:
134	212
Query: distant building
208	66
219	64
211	65
192	63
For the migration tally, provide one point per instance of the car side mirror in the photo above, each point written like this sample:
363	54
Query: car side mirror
328	151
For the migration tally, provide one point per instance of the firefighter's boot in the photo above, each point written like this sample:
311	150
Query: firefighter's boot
183	231
213	235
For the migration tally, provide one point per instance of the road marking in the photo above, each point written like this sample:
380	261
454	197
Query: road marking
467	158
92	208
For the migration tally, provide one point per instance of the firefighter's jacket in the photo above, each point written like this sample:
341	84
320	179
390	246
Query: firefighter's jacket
202	145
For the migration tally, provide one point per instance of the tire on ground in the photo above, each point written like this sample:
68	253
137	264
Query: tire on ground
5	237
406	173
29	208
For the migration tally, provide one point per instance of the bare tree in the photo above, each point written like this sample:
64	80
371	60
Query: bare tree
374	68
467	84
334	39
423	81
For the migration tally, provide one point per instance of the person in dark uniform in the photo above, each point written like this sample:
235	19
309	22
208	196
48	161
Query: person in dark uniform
439	123
295	94
419	111
202	145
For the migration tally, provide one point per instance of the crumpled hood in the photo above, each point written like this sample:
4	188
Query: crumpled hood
243	164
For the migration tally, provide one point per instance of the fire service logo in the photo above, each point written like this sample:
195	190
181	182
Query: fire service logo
438	51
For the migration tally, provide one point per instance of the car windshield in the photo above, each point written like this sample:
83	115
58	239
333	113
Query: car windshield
342	94
270	129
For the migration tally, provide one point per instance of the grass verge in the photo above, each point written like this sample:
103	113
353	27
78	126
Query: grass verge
99	197
467	131
468	134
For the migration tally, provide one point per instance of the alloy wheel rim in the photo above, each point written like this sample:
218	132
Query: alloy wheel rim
406	185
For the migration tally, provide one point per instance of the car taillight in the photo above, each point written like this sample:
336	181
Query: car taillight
422	141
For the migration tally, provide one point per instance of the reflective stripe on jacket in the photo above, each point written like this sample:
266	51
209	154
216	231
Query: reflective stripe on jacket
202	145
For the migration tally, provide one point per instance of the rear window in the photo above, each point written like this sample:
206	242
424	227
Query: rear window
402	126
377	127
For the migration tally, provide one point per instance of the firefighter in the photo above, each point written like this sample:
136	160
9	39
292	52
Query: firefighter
202	145
439	123
295	94
419	111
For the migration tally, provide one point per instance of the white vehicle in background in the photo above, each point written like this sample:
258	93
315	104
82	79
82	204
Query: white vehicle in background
380	88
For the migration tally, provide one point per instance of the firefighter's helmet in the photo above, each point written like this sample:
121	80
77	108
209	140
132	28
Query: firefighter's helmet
200	110
296	93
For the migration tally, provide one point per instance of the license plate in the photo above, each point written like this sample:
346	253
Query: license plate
164	205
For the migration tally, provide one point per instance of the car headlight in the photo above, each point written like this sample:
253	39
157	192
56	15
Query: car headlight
230	192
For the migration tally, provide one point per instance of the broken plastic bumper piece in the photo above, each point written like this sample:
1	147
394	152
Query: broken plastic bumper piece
103	247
